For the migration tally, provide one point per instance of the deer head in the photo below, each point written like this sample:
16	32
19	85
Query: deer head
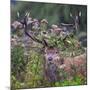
51	53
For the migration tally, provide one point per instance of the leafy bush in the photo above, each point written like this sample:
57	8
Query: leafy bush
34	75
77	80
68	45
34	70
15	83
17	60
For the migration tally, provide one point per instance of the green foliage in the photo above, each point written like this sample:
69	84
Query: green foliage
34	75
17	55
34	69
15	83
67	46
77	80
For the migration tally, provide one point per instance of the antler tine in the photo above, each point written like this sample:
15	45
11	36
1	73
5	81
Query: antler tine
18	14
43	42
28	14
80	13
70	14
33	38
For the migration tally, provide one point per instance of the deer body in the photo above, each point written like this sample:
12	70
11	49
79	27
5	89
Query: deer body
71	65
78	64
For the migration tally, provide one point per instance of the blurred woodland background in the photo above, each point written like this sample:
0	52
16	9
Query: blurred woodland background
54	13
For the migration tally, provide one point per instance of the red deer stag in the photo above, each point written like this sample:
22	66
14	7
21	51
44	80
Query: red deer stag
54	61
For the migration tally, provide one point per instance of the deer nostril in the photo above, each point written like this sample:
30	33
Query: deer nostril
50	58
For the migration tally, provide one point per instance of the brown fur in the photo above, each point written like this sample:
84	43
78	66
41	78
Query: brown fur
71	65
76	65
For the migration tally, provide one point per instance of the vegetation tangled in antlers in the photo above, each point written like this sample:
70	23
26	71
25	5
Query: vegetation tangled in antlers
66	42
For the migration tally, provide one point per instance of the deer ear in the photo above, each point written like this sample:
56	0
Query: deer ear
70	14
18	14
80	13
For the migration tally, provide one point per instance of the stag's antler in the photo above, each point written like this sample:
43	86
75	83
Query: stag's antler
32	37
18	14
64	24
43	42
